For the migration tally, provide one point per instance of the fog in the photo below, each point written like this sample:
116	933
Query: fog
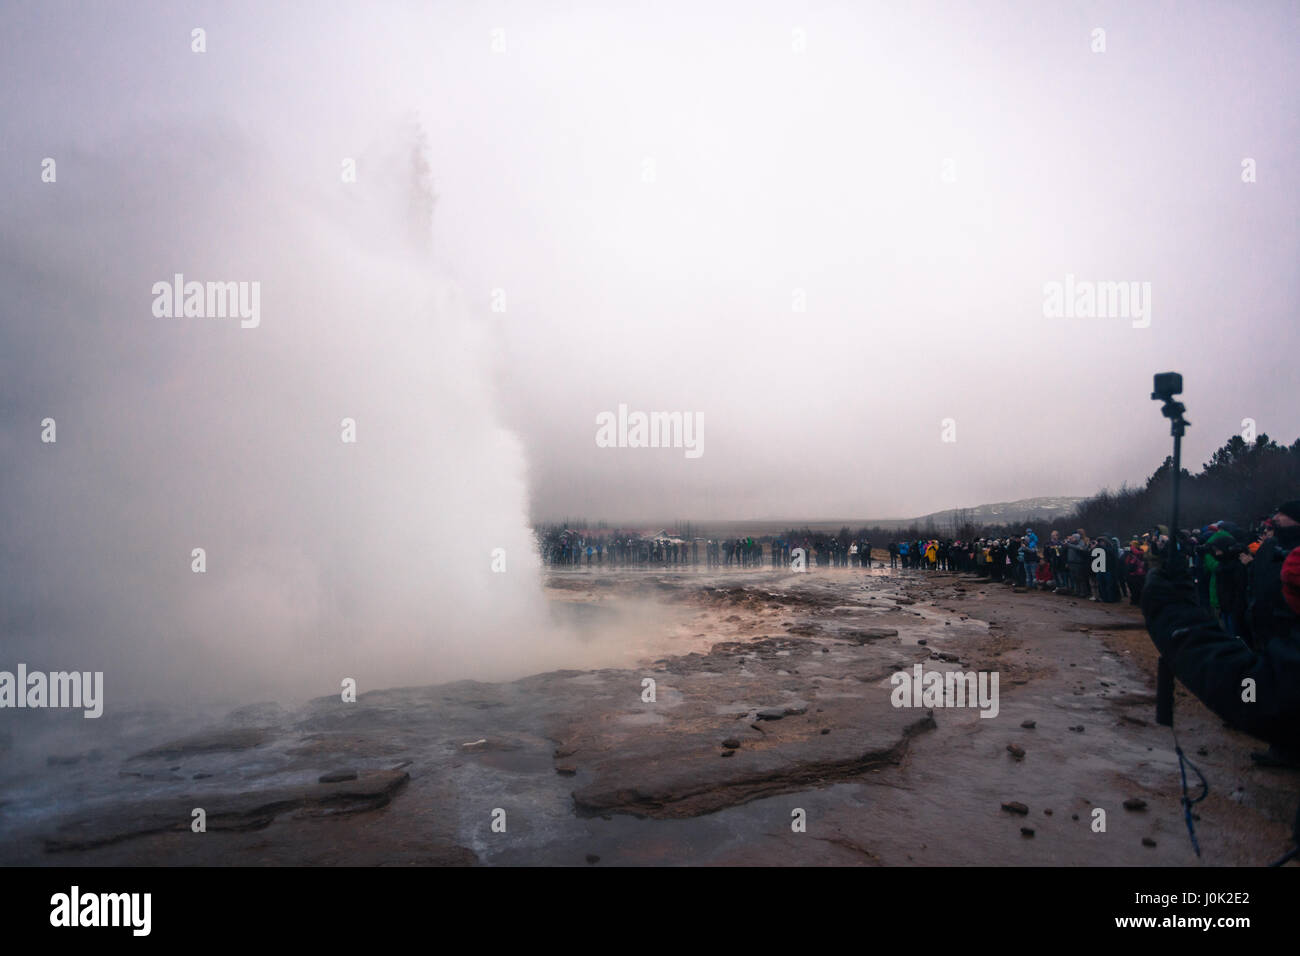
824	231
322	557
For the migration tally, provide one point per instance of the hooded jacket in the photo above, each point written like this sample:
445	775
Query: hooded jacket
1267	610
1212	563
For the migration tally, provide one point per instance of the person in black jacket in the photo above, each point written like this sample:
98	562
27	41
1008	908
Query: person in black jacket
1230	586
1215	666
1076	557
1267	613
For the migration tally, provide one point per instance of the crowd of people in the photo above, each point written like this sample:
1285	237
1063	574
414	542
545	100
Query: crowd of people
1231	568
1235	572
1101	568
580	548
1225	615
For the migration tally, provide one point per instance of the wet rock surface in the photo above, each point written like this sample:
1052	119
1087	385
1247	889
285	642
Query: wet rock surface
252	810
216	740
786	676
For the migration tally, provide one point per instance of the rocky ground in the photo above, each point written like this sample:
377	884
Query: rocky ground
770	739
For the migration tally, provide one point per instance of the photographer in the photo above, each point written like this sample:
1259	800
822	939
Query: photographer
1269	615
1227	580
1213	664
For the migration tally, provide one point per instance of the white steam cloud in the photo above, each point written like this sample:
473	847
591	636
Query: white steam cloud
325	559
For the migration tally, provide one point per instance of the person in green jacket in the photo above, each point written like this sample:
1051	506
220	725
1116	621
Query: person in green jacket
1218	540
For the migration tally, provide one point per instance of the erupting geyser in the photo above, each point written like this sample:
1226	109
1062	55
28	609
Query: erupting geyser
232	509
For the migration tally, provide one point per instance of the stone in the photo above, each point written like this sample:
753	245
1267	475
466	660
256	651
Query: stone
1015	751
1015	806
792	709
674	772
236	812
731	743
862	635
1029	724
245	738
1135	803
337	776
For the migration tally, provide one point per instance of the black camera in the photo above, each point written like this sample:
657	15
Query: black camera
1167	385
1231	551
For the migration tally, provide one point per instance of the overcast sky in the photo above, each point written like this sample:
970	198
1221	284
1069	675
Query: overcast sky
654	187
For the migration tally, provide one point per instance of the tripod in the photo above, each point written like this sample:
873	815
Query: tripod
1167	385
1173	411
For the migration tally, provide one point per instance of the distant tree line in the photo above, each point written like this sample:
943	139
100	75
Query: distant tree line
1242	482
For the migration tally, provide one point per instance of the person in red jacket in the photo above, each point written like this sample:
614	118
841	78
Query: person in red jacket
1044	574
1135	571
1291	580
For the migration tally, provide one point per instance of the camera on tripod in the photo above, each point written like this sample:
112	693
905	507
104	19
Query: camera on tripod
1167	385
